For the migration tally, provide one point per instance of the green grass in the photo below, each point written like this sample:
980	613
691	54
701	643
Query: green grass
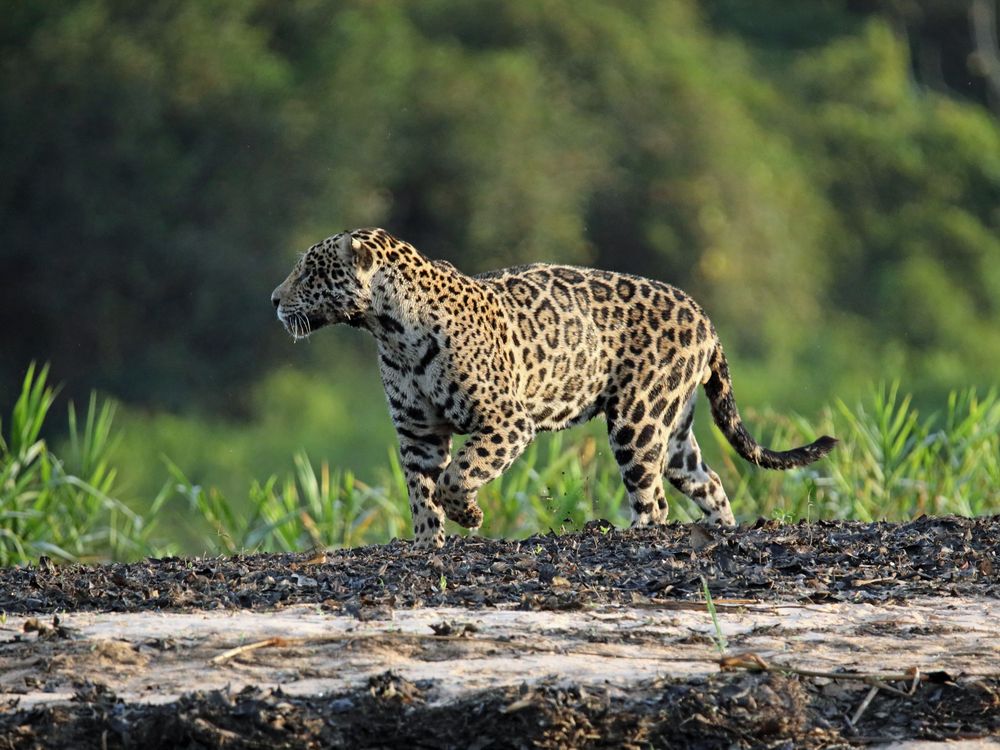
718	637
305	509
891	463
64	508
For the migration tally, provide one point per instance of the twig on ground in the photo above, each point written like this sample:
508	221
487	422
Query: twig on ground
863	707
347	638
234	652
754	663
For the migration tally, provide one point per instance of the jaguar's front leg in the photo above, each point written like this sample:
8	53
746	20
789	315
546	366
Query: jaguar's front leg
487	453
425	455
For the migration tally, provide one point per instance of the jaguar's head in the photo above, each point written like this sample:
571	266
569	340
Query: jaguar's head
329	284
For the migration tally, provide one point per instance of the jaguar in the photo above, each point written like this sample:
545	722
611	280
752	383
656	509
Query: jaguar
504	355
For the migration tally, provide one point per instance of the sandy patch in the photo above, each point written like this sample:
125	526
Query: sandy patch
156	657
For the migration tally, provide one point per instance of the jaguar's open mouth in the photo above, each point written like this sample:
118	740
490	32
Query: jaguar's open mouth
315	323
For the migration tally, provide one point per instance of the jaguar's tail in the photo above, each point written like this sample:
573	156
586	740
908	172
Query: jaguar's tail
719	388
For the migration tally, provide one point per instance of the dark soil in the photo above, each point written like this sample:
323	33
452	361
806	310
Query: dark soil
824	561
599	566
726	711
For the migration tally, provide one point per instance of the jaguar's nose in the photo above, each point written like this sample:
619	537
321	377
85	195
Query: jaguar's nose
275	299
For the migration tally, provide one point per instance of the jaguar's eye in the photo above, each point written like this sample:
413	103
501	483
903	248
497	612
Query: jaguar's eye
302	277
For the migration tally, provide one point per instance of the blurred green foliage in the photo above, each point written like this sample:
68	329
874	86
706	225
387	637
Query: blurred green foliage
338	413
805	170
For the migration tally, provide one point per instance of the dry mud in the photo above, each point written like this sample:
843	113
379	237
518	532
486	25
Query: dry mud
836	635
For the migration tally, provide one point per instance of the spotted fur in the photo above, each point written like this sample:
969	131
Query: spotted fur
504	355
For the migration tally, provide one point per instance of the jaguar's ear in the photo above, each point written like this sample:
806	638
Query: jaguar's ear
355	251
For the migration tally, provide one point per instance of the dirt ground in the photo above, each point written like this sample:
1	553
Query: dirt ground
835	634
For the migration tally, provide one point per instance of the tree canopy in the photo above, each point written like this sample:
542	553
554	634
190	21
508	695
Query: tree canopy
805	170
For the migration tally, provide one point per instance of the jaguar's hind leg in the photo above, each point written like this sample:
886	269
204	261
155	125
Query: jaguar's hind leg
688	472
